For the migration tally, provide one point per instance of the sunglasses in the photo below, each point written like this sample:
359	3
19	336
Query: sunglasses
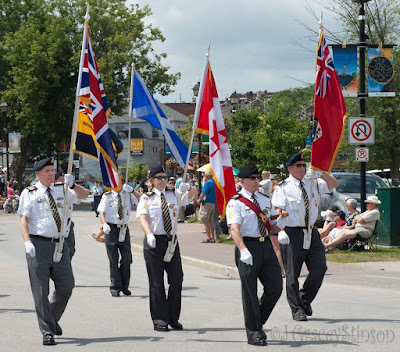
254	178
300	165
161	177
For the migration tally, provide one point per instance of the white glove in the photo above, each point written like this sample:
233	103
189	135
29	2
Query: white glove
246	257
151	240
69	180
30	248
313	173
283	238
184	187
106	228
127	188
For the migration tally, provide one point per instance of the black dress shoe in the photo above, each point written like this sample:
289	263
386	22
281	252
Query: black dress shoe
162	328
263	334
58	330
176	325
126	292
308	309
301	316
48	340
257	341
115	294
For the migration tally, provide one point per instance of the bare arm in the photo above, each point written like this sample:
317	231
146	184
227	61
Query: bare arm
237	236
277	249
81	192
102	217
330	180
144	223
24	227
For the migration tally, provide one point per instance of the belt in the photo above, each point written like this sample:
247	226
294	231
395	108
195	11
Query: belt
48	239
168	237
299	227
258	239
118	226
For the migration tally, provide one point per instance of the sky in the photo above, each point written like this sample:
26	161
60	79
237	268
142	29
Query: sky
255	44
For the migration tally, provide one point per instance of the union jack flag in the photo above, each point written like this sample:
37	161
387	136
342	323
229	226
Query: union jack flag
92	94
324	67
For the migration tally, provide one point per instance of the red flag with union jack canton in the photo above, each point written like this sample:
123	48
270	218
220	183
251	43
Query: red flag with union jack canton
329	110
92	94
208	119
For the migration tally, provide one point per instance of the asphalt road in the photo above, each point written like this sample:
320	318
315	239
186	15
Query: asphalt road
357	308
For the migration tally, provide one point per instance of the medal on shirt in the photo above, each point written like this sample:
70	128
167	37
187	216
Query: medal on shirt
171	205
59	205
315	202
174	213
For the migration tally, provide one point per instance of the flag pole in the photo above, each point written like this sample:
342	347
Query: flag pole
76	110
130	123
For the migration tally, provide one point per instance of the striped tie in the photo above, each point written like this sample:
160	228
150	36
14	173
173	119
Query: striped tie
306	203
165	215
54	210
261	225
120	214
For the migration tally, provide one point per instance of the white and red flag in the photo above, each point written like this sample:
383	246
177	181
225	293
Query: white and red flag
208	120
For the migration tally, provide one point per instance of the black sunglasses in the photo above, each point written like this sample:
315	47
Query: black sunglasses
161	177
254	178
301	165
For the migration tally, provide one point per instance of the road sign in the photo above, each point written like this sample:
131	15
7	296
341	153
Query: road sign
361	130
362	154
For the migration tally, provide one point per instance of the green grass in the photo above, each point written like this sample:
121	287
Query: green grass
357	256
194	220
225	239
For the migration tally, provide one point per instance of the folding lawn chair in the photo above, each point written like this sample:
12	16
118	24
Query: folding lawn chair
369	243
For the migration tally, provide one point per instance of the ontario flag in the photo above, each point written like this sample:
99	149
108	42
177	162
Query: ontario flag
329	110
93	101
208	119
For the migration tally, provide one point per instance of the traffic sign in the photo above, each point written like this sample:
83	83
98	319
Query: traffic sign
361	130
362	154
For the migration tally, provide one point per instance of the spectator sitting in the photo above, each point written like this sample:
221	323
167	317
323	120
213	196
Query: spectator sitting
329	224
8	205
351	205
363	224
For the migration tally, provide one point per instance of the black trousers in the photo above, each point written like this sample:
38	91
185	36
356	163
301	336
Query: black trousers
120	273
265	268
294	256
163	308
70	240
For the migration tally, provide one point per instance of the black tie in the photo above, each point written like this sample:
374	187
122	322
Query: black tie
54	210
261	226
306	203
165	215
120	214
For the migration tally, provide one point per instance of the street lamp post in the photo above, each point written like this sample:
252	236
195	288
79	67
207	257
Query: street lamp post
4	109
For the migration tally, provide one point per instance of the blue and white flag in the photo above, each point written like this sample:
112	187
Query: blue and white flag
145	107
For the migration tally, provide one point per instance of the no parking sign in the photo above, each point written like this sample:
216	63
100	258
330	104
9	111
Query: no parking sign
362	154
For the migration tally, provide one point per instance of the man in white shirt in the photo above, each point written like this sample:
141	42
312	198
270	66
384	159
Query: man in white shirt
363	224
265	184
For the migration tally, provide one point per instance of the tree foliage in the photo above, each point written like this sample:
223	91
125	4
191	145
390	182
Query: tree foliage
40	46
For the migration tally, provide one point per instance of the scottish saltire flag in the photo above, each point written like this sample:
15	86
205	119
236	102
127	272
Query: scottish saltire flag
329	110
93	100
145	107
208	119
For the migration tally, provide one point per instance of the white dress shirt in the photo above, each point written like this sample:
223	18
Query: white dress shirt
40	220
151	206
239	213
109	205
288	197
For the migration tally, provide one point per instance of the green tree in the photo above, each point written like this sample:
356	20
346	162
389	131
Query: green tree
40	44
137	171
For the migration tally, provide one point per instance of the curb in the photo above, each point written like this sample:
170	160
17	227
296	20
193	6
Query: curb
224	270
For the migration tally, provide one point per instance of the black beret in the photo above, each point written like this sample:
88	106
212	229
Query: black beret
57	174
294	159
247	171
42	163
156	170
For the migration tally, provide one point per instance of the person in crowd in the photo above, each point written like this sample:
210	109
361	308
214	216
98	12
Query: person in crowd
207	203
254	253
329	221
363	224
143	188
301	243
265	183
171	183
351	205
40	211
10	189
157	212
179	179
8	205
97	192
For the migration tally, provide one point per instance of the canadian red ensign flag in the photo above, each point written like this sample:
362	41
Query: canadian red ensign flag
208	119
